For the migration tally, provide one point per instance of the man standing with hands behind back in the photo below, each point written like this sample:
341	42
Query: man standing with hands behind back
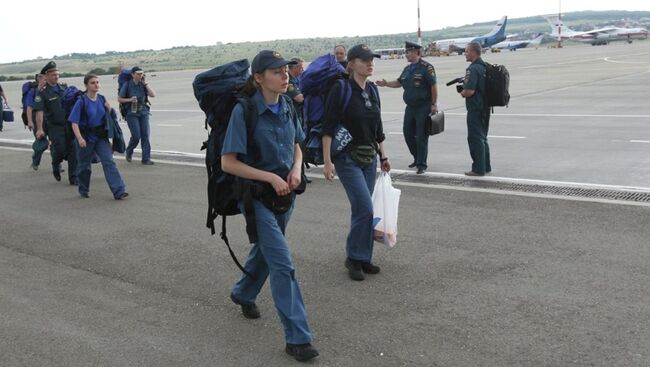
420	95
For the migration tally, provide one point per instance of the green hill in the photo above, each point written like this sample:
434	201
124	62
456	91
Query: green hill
193	57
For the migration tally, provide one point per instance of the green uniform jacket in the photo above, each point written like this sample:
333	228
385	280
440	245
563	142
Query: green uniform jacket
417	80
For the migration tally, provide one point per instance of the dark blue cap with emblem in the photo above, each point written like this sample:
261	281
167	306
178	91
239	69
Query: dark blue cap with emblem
362	52
50	66
411	46
268	59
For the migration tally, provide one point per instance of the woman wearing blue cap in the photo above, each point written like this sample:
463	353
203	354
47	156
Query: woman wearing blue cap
277	163
357	167
88	119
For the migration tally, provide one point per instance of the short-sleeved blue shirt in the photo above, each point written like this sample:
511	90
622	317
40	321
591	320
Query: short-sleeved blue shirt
93	111
131	89
29	98
275	136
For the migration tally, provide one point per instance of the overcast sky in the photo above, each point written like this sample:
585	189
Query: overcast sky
116	25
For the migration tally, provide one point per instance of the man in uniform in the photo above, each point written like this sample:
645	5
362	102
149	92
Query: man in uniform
40	145
48	105
293	90
341	55
420	95
478	113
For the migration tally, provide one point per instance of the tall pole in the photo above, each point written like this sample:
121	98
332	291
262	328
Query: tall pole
559	26
419	32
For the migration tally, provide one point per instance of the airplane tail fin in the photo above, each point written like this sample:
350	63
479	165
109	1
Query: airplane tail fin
500	28
558	27
537	41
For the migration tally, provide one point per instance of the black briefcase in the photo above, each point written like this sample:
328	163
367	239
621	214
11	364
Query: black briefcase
436	123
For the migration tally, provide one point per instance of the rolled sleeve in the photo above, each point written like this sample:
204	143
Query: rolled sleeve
124	91
235	140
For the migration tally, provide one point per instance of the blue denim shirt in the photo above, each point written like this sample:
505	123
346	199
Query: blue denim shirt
275	136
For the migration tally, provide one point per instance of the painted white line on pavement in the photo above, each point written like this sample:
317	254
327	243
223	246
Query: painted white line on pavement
639	141
315	175
170	125
181	111
526	194
505	137
541	115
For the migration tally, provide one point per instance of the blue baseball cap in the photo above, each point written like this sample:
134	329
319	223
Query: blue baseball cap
268	59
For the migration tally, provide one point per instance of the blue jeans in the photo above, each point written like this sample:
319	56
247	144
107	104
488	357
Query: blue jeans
415	133
270	257
478	124
139	127
358	182
104	150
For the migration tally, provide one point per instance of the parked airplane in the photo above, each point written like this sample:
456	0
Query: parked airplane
514	45
496	35
600	36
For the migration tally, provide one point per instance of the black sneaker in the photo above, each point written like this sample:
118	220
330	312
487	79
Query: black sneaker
34	167
57	175
121	196
73	181
354	269
412	165
147	163
301	352
128	157
420	171
84	195
250	311
370	268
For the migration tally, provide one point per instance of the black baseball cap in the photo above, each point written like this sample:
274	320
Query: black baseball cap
268	59
135	69
362	52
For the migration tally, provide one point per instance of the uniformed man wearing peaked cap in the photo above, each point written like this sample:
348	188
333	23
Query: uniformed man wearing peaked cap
48	105
50	66
420	95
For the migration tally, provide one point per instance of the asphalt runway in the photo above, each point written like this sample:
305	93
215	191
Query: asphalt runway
476	279
578	114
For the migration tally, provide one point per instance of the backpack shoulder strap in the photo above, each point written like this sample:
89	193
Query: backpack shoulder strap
346	93
250	118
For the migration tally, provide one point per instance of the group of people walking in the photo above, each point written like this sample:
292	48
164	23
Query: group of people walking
81	136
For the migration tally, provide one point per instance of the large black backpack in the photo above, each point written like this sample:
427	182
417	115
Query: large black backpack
496	85
218	91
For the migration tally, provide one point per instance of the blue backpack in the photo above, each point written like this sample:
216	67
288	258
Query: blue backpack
314	140
27	87
124	77
70	96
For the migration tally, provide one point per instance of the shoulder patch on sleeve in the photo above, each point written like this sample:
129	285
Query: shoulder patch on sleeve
37	98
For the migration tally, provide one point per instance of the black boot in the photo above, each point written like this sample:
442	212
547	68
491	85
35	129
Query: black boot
250	311
301	352
354	269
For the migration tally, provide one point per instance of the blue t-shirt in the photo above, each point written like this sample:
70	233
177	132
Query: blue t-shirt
275	136
93	114
29	98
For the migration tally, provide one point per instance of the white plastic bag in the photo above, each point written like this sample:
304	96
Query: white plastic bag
385	204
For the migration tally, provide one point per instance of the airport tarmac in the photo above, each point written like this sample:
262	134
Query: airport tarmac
476	279
578	114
